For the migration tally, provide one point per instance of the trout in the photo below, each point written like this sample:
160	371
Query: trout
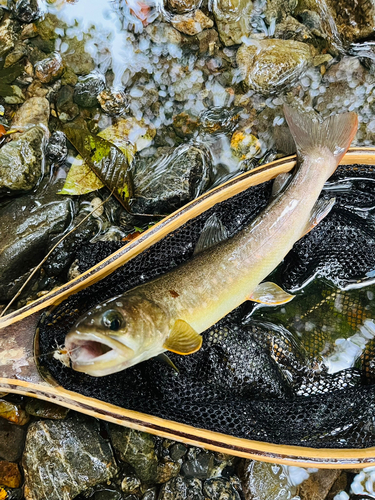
169	313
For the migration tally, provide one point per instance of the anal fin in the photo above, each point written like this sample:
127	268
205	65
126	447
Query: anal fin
321	208
183	339
271	294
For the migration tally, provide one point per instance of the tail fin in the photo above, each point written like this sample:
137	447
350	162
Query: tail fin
335	133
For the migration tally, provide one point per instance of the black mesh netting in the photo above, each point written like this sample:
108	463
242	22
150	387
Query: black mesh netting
254	377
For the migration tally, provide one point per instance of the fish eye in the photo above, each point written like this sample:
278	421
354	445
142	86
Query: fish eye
113	320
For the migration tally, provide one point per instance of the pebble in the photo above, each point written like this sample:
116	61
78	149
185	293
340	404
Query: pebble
6	37
112	102
13	413
27	10
130	484
317	486
219	489
181	488
177	451
45	409
182	6
198	464
56	148
191	23
232	19
49	69
87	90
10	475
66	108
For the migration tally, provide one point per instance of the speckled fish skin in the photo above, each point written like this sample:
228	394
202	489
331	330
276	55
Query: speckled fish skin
200	292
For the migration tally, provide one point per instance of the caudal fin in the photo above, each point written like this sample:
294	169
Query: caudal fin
335	133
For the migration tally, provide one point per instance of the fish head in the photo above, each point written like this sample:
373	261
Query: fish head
117	334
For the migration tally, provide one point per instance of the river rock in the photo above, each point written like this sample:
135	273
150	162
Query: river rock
317	486
87	90
74	450
171	179
6	37
232	19
269	65
182	6
113	102
49	69
12	438
22	161
191	23
177	451
27	226
57	149
138	450
27	11
76	58
219	488
66	108
180	488
19	51
45	409
35	111
13	413
10	474
199	464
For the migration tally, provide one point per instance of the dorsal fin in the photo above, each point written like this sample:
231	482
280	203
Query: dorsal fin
213	232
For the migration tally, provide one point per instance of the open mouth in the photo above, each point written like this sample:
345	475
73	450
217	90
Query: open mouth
89	348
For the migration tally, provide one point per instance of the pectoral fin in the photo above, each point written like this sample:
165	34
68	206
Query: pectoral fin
321	208
163	358
270	293
213	232
183	339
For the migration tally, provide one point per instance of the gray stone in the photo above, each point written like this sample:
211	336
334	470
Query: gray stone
138	450
107	493
65	456
27	226
171	179
57	149
12	438
181	488
27	10
219	489
199	463
22	161
177	451
87	90
150	494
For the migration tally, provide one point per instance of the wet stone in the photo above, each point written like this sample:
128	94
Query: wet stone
317	486
113	102
6	37
10	475
151	494
26	10
57	149
27	227
84	458
21	161
87	90
219	489
130	484
19	51
12	494
13	413
191	23
45	409
182	6
183	174
12	438
66	108
167	471
271	65
181	488
138	450
107	493
198	464
49	69
35	111
177	451
232	19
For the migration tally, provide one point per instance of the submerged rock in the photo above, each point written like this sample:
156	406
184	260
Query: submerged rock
74	450
219	488
232	19
27	226
87	90
182	6
173	178
57	149
112	102
49	69
6	37
27	10
268	65
35	111
12	438
22	161
13	413
181	488
198	464
138	450
191	23
10	475
45	409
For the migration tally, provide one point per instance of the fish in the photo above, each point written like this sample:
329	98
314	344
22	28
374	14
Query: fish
171	312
